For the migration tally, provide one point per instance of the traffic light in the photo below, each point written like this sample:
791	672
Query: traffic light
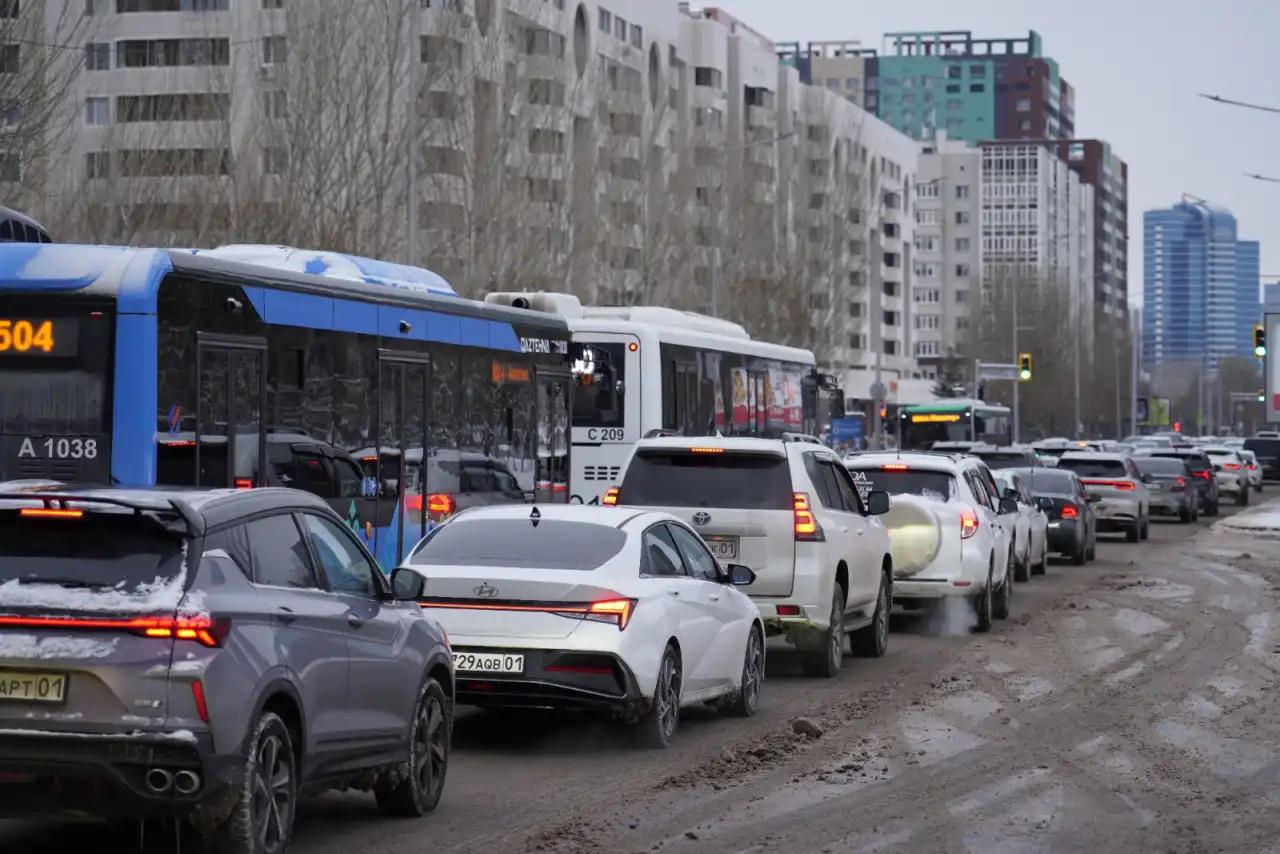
1024	367
1177	426
1259	340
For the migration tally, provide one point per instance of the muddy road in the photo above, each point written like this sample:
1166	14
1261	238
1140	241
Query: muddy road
1124	708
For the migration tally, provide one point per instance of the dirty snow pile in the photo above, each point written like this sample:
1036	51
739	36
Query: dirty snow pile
1262	521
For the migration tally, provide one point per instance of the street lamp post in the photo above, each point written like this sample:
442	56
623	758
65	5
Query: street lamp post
715	231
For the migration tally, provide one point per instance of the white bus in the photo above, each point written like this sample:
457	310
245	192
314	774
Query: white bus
640	369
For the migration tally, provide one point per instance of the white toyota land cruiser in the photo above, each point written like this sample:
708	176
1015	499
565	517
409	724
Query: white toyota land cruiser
789	510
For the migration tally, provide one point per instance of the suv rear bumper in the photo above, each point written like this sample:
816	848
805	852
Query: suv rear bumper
71	774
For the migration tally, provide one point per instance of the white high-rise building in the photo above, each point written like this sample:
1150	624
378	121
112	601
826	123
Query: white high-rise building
629	150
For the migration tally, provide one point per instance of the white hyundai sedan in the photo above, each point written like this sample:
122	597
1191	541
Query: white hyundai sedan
566	606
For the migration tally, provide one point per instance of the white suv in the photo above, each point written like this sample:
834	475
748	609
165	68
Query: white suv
952	533
789	510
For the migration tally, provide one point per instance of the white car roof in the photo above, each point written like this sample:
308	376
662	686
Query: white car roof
925	462
729	443
591	514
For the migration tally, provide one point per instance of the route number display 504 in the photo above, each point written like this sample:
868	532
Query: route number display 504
23	336
58	449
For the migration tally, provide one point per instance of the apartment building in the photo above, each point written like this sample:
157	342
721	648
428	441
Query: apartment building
1099	167
948	243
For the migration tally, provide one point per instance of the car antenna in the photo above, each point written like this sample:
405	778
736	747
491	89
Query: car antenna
535	517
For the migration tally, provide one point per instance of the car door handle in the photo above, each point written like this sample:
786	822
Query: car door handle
861	531
285	615
714	597
354	622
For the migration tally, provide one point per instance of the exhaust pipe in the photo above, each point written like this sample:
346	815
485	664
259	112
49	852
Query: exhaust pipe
186	782
159	781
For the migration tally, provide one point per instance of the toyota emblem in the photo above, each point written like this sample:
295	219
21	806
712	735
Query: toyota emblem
484	591
701	518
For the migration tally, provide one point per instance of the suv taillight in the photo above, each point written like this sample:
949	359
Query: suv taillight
806	524
968	524
1179	485
610	497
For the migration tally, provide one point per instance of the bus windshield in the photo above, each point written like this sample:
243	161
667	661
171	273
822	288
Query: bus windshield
599	383
921	429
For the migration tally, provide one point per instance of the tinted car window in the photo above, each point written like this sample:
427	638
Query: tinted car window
1195	460
1161	466
661	557
1051	482
344	564
279	554
552	544
1095	468
732	481
1263	447
1003	459
930	484
111	550
696	557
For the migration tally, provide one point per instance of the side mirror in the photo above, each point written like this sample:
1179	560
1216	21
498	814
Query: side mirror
1044	503
406	584
739	575
877	502
1094	498
1007	506
1010	492
1146	478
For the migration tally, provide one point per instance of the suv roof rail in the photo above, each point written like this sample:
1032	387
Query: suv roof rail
661	433
801	437
951	455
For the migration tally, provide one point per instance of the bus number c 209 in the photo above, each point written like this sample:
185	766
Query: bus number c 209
577	499
604	434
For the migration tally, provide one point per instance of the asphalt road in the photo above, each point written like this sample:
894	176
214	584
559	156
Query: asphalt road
1111	713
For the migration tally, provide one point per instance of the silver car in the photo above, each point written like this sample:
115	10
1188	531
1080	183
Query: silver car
1124	503
1252	468
1230	472
1172	487
208	656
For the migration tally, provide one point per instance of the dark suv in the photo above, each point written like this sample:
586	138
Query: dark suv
1201	474
210	656
1267	450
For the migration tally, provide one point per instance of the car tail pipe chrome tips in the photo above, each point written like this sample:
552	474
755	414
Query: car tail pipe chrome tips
186	782
159	781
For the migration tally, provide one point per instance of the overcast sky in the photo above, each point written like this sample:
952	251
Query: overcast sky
1137	66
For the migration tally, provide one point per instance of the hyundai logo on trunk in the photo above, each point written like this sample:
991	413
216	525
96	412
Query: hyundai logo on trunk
484	591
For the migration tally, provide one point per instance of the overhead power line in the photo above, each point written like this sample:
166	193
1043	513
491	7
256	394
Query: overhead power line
1218	99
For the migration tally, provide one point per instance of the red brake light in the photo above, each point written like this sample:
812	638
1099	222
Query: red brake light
1232	466
201	629
806	524
613	611
1203	475
1069	511
968	523
1122	485
244	483
413	503
610	497
1251	467
706	450
894	466
441	503
202	706
48	513
1179	485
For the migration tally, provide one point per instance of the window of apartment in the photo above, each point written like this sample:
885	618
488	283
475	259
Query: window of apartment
637	36
440	50
620	28
97	111
955	104
275	160
890	347
962	217
928	190
962	296
926	321
953	88
127	6
855	341
275	50
10	168
540	42
977	87
710	77
977	71
1023	105
1025	124
548	93
852	83
97	56
9	59
962	191
708	117
174	162
890	289
275	104
855	309
172	53
954	72
962	272
97	164
605	18
279	4
892	231
891	318
962	244
927	295
855	278
546	141
95	7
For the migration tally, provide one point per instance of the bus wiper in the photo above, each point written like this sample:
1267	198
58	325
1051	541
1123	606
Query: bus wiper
70	583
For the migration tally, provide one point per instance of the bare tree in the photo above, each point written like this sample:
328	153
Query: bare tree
40	70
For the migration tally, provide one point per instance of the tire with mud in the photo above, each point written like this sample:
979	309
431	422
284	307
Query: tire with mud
873	641
1185	516
826	662
1243	499
1002	604
1081	556
982	605
417	793
1022	569
1042	567
1134	533
1145	531
746	702
657	728
262	820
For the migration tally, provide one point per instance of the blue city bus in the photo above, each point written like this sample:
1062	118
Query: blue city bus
249	366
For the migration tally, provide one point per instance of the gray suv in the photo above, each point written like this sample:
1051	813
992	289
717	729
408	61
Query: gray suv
208	655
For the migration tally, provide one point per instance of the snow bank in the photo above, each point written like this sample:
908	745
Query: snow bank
1261	521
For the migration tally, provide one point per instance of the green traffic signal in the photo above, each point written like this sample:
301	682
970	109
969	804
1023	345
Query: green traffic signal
1024	367
1259	341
